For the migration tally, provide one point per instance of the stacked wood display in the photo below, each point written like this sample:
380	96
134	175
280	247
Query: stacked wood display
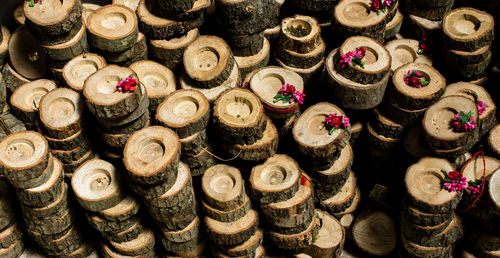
170	27
357	86
327	154
243	24
158	80
248	135
187	112
114	34
273	29
356	17
412	89
44	197
209	67
231	223
301	47
394	23
4	45
429	224
286	198
12	78
25	100
117	114
441	135
60	29
111	210
11	231
61	121
467	37
10	124
151	157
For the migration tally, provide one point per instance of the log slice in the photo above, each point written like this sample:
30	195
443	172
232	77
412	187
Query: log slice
61	112
277	179
79	68
185	111
73	47
96	184
232	233
112	28
375	233
424	185
405	51
26	99
300	34
125	209
26	55
223	187
468	29
53	17
299	240
142	245
151	154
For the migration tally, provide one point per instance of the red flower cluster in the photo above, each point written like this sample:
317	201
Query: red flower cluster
424	46
303	180
454	181
380	5
353	57
289	94
332	122
414	79
128	85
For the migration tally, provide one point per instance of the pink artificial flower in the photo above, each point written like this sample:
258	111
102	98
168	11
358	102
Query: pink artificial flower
481	107
298	96
346	121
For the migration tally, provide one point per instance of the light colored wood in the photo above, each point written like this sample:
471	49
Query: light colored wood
185	111
311	135
238	115
53	17
4	44
102	98
79	68
404	51
262	149
223	187
250	63
354	17
212	94
375	233
55	209
437	123
26	55
476	93
126	208
424	185
109	252
350	94
143	244
208	61
132	4
60	112
416	98
112	28
180	190
19	15
277	179
87	10
228	216
24	156
330	239
494	192
151	154
468	29
26	99
299	240
96	184
377	60
342	200
268	81
394	26
494	142
232	233
158	80
468	57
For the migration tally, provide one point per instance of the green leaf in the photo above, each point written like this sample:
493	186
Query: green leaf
378	12
424	83
331	130
420	51
362	64
32	3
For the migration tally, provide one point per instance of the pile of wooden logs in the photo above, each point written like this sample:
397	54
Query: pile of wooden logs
301	48
187	112
60	113
114	213
467	37
231	223
117	115
429	224
44	197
